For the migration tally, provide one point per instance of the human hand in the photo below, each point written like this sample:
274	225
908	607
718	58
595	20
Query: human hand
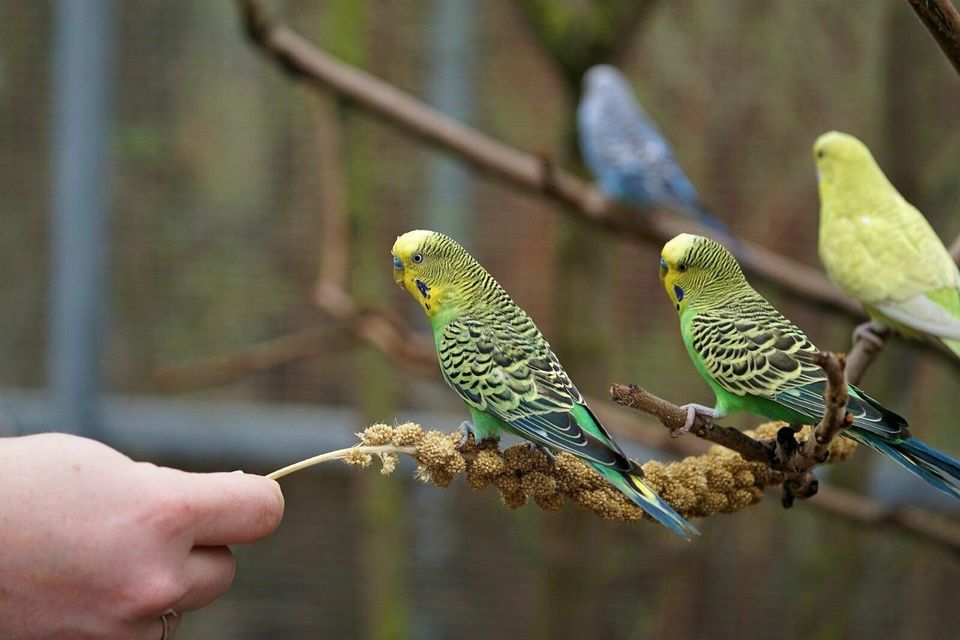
95	545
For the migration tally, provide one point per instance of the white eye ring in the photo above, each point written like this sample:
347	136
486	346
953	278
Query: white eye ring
418	258
681	267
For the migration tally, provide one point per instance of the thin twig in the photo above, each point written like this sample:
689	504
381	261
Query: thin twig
943	21
835	417
863	353
798	461
782	454
673	417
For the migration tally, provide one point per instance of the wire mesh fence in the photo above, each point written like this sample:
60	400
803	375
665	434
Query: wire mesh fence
219	175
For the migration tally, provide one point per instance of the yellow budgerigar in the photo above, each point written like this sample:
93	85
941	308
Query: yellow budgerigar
880	249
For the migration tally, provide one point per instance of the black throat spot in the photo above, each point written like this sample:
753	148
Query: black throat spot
422	286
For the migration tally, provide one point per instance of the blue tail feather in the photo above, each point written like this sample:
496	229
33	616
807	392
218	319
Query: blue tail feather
645	498
940	470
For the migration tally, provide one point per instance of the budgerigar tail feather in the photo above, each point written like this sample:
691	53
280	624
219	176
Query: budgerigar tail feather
645	498
941	471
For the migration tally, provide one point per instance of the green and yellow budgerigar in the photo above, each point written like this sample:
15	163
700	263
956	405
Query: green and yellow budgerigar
879	248
492	354
756	360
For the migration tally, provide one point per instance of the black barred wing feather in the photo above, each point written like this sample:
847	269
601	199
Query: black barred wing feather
867	413
758	352
508	370
496	368
748	355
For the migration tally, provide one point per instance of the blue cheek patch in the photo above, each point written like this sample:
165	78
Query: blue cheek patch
422	286
677	290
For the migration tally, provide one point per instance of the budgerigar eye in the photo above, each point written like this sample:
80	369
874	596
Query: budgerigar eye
418	258
820	153
397	263
681	267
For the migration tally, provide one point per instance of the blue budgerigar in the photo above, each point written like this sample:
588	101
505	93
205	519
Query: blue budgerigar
629	157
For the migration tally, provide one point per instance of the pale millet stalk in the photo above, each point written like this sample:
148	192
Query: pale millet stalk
719	481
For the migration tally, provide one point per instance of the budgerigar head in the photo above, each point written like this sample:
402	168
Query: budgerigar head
843	160
604	79
434	268
696	269
602	75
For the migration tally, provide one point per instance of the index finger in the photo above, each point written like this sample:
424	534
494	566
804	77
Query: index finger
233	508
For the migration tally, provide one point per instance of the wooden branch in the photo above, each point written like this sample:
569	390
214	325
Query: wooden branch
798	481
527	171
673	417
783	453
862	354
943	21
835	417
798	461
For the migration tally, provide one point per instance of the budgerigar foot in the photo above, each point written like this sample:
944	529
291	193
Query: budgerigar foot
466	430
694	410
544	450
873	332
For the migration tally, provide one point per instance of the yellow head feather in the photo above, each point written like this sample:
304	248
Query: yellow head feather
876	246
671	261
845	164
674	251
408	257
695	268
410	242
440	275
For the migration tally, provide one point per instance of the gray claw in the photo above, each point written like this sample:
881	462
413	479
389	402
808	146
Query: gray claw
466	430
871	332
545	451
694	410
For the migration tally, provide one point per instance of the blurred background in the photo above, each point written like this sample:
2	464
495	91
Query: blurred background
164	187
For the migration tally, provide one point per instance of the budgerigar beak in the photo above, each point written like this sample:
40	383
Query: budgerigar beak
663	269
398	272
